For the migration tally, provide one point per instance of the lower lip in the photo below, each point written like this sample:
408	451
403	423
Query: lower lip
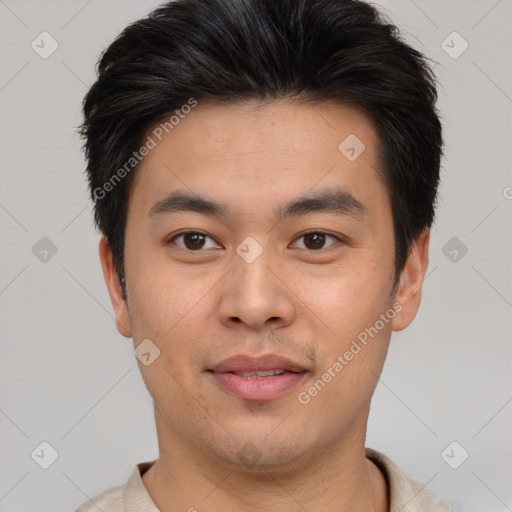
259	388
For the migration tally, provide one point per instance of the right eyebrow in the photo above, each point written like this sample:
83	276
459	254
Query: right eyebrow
179	201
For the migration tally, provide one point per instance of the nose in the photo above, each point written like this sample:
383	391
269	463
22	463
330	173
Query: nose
256	295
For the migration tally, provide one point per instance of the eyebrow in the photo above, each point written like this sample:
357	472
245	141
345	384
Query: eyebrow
334	200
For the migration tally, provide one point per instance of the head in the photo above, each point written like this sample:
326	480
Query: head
247	123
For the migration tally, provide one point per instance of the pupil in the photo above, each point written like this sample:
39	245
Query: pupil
195	238
318	237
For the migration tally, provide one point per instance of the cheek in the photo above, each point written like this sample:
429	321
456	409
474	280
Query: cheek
349	295
162	297
172	312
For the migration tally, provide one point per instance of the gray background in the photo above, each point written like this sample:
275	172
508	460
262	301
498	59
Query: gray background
68	378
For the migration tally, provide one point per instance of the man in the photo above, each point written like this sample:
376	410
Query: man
264	175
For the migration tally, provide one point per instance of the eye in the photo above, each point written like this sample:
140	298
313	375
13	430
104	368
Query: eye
315	240
192	240
195	240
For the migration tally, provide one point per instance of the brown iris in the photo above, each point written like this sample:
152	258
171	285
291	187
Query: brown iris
318	240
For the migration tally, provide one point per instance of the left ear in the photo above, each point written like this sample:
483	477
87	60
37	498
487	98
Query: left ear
411	282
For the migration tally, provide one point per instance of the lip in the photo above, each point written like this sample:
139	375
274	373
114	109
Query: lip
257	388
246	363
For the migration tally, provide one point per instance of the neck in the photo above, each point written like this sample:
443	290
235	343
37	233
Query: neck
330	479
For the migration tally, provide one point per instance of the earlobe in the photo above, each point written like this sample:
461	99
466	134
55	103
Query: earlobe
411	282
114	289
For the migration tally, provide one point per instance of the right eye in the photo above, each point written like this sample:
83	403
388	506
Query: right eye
192	240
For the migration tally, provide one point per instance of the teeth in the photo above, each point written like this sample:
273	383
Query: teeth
260	373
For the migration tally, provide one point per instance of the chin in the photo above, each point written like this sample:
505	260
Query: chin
262	450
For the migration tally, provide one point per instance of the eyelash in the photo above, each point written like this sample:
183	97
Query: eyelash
310	232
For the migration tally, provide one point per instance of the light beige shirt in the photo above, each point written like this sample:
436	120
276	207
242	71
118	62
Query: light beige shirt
405	495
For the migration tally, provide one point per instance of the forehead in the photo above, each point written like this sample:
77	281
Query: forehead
247	152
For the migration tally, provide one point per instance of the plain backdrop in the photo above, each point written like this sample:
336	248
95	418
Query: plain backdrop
68	378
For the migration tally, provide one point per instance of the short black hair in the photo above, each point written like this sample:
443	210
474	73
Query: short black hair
229	51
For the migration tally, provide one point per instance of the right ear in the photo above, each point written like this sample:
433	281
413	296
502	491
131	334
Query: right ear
114	289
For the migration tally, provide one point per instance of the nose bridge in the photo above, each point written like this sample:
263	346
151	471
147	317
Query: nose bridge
252	269
255	294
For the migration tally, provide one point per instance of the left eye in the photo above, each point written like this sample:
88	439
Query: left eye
315	240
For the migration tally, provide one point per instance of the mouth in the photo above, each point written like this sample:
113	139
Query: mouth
259	374
257	378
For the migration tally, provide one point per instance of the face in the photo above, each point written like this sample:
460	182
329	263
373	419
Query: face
281	257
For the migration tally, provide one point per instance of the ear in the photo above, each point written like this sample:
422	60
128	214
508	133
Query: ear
411	282
114	289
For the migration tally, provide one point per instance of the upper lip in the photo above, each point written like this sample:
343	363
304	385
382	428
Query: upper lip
246	363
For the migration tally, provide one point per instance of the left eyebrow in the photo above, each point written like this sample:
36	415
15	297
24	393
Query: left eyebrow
333	200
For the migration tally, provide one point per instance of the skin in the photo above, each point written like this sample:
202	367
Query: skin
305	304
